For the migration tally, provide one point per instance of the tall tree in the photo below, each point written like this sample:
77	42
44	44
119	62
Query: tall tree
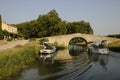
1	32
0	23
51	24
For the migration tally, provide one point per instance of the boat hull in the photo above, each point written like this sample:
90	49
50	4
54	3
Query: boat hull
103	51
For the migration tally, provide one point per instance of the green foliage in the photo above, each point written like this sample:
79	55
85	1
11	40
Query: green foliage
114	46
59	47
51	24
114	35
0	23
1	35
79	27
1	32
32	39
6	33
13	62
9	39
41	41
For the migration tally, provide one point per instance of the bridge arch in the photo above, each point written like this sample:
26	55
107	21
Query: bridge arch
78	41
64	39
77	45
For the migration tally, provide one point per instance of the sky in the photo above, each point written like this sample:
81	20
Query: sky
103	15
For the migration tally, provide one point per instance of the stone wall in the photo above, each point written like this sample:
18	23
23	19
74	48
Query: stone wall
64	39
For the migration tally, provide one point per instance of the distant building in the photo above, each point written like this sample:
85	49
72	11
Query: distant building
9	28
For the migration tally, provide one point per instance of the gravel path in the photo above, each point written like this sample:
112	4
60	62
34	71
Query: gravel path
12	44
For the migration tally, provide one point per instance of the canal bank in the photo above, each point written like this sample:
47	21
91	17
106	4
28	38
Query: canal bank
14	60
114	46
18	62
78	67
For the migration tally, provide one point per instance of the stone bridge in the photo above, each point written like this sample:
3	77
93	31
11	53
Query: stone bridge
64	39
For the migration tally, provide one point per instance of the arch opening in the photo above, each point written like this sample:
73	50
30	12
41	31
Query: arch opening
77	45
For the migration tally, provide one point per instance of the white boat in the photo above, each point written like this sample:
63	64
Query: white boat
103	50
98	47
48	50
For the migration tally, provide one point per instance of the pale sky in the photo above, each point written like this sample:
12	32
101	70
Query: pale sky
103	15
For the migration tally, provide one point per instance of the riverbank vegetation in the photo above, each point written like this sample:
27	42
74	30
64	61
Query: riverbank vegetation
58	46
114	35
12	61
1	32
51	24
114	46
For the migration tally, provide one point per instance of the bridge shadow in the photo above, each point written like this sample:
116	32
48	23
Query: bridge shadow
77	46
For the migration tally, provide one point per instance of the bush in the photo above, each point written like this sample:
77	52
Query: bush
1	35
41	41
32	39
11	63
114	46
10	39
59	47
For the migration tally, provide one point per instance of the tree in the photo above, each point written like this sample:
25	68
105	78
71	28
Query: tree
51	24
6	33
79	27
58	29
1	32
49	21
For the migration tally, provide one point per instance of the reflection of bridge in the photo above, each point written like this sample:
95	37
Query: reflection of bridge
63	55
64	39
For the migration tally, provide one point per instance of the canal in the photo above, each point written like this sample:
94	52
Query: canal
74	64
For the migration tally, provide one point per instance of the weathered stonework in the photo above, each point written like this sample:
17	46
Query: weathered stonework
64	39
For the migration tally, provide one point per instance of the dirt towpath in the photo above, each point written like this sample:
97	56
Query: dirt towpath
12	44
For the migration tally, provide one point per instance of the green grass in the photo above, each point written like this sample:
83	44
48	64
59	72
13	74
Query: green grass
12	61
114	46
59	47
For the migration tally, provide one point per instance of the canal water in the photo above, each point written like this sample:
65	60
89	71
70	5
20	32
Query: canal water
74	64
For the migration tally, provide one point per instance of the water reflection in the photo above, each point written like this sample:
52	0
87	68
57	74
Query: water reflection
74	64
65	67
75	50
101	60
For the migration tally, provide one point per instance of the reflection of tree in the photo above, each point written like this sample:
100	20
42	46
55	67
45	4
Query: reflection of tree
75	50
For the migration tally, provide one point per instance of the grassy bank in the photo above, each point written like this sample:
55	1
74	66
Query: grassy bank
114	46
14	60
59	47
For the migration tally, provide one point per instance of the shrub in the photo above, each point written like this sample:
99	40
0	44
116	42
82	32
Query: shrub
114	46
9	39
41	41
32	39
1	35
13	61
59	47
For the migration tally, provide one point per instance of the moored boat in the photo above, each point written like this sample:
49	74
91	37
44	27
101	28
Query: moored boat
48	50
98	47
